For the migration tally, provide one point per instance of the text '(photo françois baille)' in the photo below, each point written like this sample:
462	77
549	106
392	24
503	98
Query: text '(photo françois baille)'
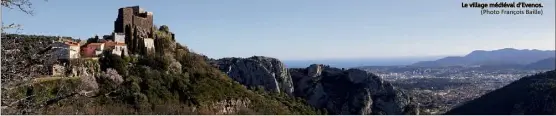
506	8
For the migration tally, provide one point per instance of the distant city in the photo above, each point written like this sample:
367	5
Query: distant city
440	85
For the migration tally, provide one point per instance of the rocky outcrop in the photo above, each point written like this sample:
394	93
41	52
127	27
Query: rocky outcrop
230	106
255	71
339	91
350	91
84	67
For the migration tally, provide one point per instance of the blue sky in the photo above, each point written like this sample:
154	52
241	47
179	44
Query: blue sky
307	29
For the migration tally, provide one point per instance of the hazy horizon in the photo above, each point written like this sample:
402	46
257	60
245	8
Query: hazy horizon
307	30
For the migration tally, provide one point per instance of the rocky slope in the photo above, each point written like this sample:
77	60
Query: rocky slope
349	91
175	82
30	62
532	95
255	71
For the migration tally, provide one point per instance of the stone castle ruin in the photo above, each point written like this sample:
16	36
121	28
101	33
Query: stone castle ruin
134	34
137	26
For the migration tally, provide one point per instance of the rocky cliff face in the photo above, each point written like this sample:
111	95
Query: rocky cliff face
339	91
255	71
350	91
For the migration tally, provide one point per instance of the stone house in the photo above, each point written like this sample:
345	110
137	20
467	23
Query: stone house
116	48
120	49
74	49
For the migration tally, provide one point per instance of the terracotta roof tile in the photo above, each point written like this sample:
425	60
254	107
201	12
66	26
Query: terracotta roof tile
71	43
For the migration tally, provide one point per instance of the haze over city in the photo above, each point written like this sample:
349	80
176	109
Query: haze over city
307	30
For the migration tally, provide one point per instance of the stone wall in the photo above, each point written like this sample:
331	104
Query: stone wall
132	16
144	24
58	70
119	37
149	45
124	18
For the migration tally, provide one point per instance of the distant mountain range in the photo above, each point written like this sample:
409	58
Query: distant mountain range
501	57
357	62
549	63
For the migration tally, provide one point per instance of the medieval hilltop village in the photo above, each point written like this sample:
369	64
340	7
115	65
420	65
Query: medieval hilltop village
141	69
134	34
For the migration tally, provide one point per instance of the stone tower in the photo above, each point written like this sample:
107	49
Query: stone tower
137	25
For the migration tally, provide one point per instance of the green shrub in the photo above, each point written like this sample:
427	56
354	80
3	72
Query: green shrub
114	61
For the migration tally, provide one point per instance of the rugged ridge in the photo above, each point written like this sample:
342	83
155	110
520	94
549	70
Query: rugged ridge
549	63
337	90
255	71
351	91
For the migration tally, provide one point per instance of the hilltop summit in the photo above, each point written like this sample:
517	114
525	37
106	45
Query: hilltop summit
159	76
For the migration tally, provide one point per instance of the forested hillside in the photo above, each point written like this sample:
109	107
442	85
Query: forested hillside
532	95
175	81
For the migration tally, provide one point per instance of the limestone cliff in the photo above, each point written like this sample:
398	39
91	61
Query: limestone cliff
339	91
350	91
255	71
